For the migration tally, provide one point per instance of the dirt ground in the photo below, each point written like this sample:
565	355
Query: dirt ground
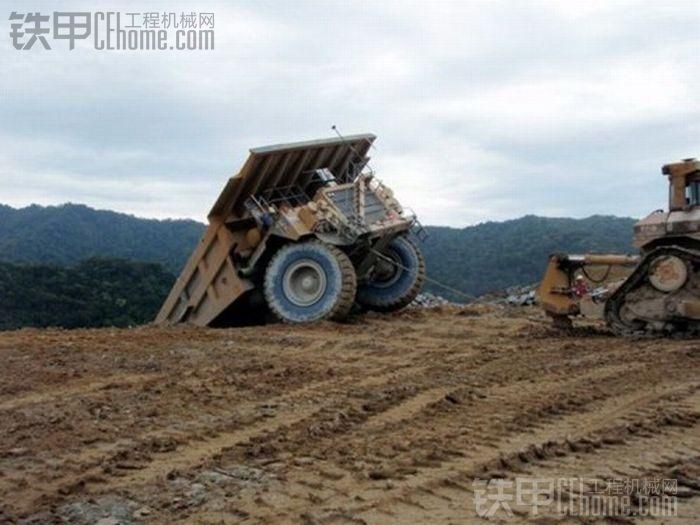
387	419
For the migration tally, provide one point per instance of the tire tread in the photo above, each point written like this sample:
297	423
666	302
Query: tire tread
348	289
397	304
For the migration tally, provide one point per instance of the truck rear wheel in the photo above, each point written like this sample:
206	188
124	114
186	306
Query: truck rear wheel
310	281
398	277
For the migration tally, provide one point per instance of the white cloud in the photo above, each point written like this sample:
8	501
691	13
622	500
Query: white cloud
484	109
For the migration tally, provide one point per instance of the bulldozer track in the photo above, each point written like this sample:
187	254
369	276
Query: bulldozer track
636	279
383	419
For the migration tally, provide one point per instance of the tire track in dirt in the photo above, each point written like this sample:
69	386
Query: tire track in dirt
610	375
401	413
194	454
446	488
406	409
626	455
612	407
302	409
78	388
561	439
425	407
670	424
385	420
87	468
425	404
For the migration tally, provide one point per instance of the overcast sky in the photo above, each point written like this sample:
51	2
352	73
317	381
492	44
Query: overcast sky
485	110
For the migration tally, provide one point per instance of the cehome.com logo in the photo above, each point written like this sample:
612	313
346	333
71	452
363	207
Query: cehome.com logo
114	31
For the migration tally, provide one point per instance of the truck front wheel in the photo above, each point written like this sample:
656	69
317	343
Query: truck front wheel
310	281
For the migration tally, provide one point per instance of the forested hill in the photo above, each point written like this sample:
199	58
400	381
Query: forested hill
95	292
495	255
476	259
70	233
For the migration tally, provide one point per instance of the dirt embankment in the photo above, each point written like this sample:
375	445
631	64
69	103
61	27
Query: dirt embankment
389	419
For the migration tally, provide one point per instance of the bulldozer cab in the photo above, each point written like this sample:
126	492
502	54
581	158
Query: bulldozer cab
684	184
681	223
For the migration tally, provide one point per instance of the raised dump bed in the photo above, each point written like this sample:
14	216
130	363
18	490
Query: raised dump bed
303	231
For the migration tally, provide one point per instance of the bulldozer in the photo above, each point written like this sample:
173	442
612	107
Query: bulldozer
655	292
304	232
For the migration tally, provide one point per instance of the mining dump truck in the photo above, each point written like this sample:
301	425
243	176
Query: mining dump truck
655	292
304	231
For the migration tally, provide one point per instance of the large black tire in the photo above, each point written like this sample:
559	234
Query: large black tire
388	293
310	281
